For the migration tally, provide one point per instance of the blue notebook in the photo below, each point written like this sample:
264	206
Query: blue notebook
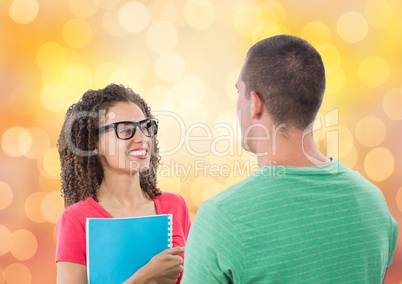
118	247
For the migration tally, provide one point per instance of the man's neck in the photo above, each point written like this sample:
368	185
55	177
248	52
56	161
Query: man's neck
296	148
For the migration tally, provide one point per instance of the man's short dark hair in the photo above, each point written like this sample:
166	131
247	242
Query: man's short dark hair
289	76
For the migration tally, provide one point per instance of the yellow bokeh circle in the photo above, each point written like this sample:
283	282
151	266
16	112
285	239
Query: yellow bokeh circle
265	13
48	184
17	273
40	143
24	244
352	27
16	141
78	78
6	239
378	13
270	11
370	131
23	11
134	16
6	194
25	141
33	207
351	159
50	164
52	206
379	164
51	56
55	96
82	9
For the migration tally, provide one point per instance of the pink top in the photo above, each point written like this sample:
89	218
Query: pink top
71	232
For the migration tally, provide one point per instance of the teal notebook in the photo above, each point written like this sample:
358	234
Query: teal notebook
118	247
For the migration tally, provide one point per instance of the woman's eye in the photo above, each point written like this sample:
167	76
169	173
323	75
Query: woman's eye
126	131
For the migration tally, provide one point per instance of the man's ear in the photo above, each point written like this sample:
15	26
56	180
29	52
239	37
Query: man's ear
256	105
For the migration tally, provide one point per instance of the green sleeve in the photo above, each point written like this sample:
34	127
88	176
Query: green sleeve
213	252
393	240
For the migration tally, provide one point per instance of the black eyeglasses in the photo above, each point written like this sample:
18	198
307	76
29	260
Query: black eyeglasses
126	129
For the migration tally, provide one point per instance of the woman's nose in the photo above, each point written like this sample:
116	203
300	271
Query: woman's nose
138	135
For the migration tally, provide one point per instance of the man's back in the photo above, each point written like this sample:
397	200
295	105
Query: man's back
313	225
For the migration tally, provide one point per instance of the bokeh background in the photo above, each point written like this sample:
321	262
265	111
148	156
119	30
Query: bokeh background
183	57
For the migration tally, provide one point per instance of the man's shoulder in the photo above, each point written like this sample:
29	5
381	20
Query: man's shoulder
233	193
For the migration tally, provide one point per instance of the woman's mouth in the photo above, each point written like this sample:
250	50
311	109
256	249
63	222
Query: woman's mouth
138	153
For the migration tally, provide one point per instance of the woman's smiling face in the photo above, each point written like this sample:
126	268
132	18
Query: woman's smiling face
124	156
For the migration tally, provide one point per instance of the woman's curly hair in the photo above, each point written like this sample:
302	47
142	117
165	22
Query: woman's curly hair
81	169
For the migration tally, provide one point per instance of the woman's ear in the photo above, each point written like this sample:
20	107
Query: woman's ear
256	105
96	151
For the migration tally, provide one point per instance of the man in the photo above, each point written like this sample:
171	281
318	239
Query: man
314	221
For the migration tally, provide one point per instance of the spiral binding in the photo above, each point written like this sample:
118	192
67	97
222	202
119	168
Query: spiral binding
170	233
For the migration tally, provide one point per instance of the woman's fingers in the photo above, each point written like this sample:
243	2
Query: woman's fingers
173	251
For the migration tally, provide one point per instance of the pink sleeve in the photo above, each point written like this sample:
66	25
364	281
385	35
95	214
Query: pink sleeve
185	218
174	204
71	244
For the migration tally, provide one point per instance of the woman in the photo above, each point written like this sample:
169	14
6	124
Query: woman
109	157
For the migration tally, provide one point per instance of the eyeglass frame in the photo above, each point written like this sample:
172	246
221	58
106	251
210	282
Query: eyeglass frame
136	125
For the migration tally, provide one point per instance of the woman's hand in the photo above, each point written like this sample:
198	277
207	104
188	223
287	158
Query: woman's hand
163	268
